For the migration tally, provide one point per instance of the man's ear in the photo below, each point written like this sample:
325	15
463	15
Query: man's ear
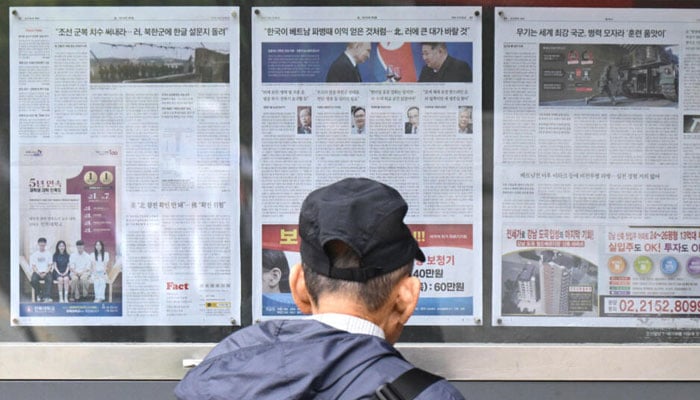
407	297
403	301
300	293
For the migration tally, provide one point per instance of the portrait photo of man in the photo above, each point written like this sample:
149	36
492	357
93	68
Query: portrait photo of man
464	121
304	120
411	126
442	67
344	68
358	120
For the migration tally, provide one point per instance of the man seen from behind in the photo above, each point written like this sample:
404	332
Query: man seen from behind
355	279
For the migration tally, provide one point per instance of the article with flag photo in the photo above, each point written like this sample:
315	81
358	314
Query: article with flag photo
402	62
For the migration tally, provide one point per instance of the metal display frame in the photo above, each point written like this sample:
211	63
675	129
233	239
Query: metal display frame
458	362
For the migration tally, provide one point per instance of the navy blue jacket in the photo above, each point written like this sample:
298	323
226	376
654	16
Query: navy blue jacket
299	359
342	70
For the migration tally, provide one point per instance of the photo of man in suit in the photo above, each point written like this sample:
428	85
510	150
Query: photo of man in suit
412	123
344	68
358	120
441	67
304	123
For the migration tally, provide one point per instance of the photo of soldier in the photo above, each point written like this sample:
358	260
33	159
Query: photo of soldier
620	75
605	87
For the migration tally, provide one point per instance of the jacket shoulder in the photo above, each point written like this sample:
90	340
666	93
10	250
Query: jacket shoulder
441	389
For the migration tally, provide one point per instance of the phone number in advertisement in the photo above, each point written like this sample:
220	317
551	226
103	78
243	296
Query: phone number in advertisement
656	306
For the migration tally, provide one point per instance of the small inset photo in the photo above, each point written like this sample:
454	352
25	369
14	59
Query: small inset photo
464	120
358	120
691	123
412	117
304	120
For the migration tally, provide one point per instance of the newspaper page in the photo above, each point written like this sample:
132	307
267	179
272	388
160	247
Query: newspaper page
388	93
124	156
597	133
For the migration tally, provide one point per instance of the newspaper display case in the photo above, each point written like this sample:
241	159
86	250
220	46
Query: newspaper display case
499	346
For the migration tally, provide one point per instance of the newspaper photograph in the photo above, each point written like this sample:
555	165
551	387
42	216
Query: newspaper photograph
596	168
124	166
388	93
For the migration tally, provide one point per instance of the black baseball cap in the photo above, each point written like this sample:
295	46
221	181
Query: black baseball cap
367	216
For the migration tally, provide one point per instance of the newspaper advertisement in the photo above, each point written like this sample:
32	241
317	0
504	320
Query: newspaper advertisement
124	166
596	168
388	93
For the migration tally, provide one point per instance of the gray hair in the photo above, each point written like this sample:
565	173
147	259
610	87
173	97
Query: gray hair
373	294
